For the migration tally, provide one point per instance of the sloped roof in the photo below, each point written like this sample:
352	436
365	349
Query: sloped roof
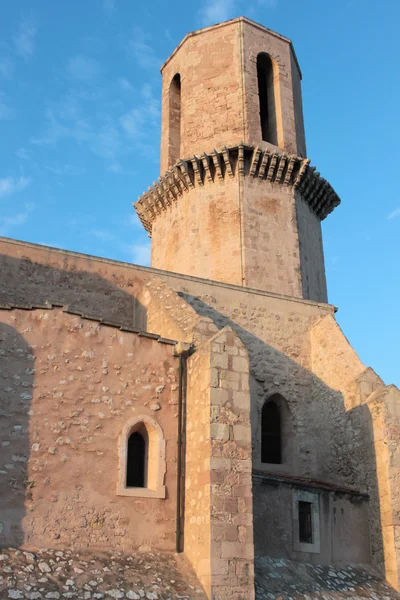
61	574
282	579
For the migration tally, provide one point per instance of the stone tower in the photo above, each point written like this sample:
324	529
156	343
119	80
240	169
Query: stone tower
237	201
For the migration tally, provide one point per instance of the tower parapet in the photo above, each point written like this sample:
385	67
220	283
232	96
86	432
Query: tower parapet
245	206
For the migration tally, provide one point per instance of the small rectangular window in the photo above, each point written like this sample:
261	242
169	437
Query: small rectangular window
305	522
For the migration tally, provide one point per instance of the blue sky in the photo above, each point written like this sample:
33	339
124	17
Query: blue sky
80	124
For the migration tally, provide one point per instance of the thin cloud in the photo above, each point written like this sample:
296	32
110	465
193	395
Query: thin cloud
16	220
107	142
215	11
24	40
138	253
141	254
146	115
140	49
268	3
66	170
394	214
105	236
56	131
6	112
109	7
125	84
107	133
84	69
11	185
6	67
115	167
23	154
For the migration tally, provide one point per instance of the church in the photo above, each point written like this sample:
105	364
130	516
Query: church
208	406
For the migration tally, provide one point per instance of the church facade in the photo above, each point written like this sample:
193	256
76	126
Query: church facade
210	404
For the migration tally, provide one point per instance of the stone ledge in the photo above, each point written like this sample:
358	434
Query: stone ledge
87	317
250	161
303	483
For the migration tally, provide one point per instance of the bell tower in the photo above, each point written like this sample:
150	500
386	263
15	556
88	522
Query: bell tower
237	200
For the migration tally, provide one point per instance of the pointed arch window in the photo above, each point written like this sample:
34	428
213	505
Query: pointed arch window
174	141
266	94
136	467
271	433
142	463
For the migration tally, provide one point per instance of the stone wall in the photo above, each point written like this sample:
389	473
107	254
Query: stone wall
243	230
211	95
368	441
311	251
343	524
36	274
257	39
380	419
200	234
218	514
295	349
220	103
68	388
270	240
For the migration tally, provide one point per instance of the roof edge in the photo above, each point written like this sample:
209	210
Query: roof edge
224	24
161	273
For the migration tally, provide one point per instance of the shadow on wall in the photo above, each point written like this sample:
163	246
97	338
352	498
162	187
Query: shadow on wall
28	283
17	380
322	447
328	444
25	281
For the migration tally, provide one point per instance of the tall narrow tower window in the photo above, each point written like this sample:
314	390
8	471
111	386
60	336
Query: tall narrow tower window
174	120
266	94
271	434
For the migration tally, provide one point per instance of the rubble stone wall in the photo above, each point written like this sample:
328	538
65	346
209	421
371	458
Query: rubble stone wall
68	387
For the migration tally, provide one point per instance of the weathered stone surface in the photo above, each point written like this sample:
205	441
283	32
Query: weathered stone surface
88	357
65	440
89	576
282	579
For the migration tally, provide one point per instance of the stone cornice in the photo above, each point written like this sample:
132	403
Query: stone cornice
266	165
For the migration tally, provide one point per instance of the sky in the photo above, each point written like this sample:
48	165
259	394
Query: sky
80	127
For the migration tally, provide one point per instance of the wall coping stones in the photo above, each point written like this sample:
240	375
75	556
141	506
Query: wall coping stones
267	165
66	309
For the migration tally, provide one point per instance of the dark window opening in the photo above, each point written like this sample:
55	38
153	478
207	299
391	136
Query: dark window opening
174	149
136	463
305	522
266	94
271	442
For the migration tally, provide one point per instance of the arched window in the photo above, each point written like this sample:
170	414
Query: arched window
271	433
136	466
266	94
142	464
174	142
